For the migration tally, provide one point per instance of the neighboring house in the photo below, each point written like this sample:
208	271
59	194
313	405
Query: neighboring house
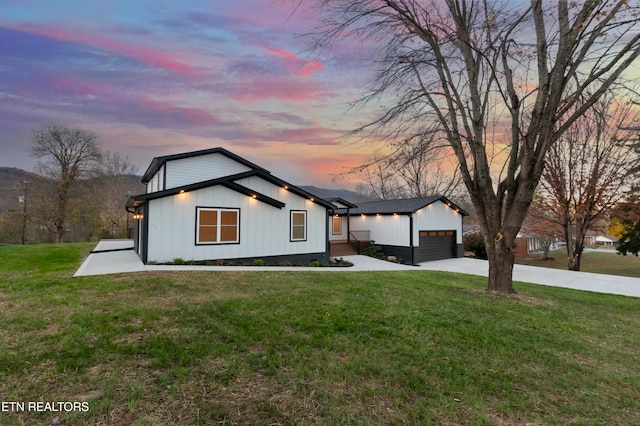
607	240
528	244
590	238
414	229
214	205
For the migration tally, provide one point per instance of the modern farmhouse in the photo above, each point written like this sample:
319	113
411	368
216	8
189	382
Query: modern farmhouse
212	205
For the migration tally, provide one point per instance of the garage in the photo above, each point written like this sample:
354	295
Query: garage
437	245
413	230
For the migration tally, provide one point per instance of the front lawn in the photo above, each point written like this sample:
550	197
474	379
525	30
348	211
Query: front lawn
596	262
212	348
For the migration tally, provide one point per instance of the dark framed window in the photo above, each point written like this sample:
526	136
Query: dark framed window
298	225
217	225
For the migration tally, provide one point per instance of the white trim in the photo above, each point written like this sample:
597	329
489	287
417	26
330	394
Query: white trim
219	225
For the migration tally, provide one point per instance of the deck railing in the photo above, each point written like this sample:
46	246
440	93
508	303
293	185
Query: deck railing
360	239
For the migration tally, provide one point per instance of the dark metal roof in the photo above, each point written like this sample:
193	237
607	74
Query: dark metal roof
341	201
158	162
401	206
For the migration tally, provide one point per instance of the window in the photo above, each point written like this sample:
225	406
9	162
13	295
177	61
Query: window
337	225
298	225
217	226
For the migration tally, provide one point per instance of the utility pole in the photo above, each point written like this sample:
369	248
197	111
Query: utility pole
23	200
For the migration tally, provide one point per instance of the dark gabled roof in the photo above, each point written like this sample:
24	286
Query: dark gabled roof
401	206
292	188
230	182
341	201
226	181
158	162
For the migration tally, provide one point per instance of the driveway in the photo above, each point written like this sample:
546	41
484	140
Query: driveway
117	256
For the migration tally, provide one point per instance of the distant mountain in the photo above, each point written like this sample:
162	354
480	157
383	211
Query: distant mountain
345	194
12	180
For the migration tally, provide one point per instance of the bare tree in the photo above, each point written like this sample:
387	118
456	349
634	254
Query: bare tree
380	181
67	155
540	224
116	183
503	81
426	169
414	169
588	172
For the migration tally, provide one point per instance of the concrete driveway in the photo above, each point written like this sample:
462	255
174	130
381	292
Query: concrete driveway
117	256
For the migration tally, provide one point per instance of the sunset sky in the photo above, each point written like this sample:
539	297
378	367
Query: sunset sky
157	77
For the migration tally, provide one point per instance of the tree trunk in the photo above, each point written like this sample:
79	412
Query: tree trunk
574	259
59	231
501	259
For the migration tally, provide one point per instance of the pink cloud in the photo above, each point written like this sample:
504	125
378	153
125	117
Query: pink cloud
77	86
153	57
275	88
307	136
294	64
166	112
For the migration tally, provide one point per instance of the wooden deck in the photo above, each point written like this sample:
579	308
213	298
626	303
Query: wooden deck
340	248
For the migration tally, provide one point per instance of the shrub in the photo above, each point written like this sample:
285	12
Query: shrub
373	250
475	243
178	261
258	262
315	263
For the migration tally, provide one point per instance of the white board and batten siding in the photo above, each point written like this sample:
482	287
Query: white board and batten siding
264	229
157	181
437	217
200	168
392	230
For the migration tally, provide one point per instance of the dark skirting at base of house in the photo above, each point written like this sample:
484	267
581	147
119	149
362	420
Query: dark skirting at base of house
304	259
405	253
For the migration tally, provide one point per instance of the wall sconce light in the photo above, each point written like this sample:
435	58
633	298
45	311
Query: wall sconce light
137	216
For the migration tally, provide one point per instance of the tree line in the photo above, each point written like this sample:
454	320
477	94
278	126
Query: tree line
77	193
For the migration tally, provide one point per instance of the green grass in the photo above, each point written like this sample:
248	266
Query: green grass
209	348
596	262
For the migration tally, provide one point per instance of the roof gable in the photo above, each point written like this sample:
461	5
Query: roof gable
402	206
158	162
230	182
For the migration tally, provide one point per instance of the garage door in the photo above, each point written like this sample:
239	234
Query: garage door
436	245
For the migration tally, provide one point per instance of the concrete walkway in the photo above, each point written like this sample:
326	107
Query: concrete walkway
117	256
